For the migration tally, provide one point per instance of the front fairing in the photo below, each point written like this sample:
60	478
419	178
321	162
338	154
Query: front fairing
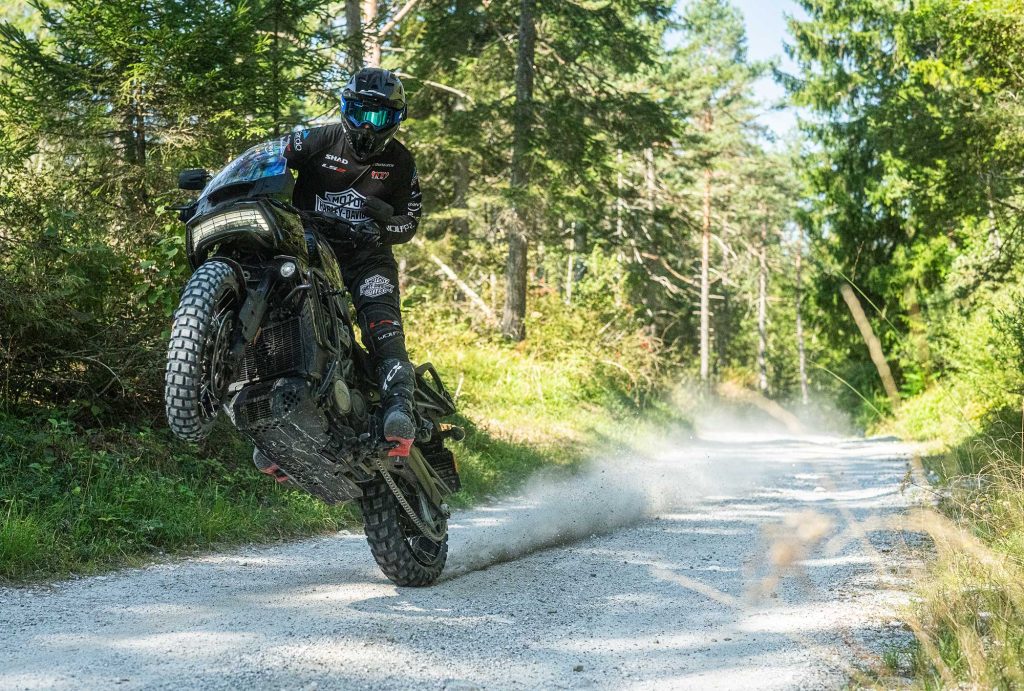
257	187
262	171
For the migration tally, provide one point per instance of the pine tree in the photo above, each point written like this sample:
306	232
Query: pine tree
714	82
577	116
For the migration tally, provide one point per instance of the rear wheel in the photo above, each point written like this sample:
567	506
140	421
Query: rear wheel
198	355
403	552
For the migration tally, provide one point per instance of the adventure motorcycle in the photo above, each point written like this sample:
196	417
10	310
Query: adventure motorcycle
263	331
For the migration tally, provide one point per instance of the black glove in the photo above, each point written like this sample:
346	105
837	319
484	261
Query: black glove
362	234
378	210
340	230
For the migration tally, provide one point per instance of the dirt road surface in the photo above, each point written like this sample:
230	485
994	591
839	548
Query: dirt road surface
725	562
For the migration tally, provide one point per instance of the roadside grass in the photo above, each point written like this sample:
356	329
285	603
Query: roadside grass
78	498
969	616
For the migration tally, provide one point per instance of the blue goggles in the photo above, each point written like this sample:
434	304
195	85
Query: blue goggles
376	116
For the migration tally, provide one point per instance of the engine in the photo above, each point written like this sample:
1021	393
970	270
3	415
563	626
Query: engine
297	402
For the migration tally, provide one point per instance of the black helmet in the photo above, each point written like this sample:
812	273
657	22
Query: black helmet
372	105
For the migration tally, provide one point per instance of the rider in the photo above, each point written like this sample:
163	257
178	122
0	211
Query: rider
358	171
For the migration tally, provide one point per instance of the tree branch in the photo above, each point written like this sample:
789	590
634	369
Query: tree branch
399	16
464	287
436	85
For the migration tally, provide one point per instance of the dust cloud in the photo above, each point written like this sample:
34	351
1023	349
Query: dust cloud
666	471
606	495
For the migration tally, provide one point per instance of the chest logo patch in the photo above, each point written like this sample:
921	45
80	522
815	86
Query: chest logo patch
380	174
347	204
375	286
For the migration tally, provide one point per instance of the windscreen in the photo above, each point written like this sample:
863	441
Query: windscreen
261	161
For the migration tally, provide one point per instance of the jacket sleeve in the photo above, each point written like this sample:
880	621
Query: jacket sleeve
407	202
299	146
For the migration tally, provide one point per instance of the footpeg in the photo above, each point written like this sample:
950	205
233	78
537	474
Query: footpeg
268	467
399	447
276	473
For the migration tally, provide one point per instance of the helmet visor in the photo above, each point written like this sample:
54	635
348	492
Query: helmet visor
376	116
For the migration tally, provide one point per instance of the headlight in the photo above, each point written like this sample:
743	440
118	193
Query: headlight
230	223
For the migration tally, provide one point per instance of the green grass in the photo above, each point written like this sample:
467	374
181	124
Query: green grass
81	500
969	614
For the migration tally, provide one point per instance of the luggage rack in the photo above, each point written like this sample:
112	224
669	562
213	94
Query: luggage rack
431	394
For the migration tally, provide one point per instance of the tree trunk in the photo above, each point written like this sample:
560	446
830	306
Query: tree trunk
873	344
579	238
762	309
705	284
135	130
619	203
126	135
570	260
140	135
514	314
354	34
650	178
371	39
275	72
800	326
460	193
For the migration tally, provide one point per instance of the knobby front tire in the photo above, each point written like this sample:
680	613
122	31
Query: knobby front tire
193	382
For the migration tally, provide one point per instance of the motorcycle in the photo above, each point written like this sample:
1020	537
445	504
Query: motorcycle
264	332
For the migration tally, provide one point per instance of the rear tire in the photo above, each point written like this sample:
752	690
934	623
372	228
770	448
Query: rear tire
405	556
196	377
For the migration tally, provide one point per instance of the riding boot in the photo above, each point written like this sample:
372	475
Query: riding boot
397	386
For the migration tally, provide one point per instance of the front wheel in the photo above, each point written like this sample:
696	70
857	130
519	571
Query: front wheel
198	355
403	553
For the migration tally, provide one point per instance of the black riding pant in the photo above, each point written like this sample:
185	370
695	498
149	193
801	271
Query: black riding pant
371	277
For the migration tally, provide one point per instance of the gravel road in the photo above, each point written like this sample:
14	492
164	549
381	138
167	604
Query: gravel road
725	562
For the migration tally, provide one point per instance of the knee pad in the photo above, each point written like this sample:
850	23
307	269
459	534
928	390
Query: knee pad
382	332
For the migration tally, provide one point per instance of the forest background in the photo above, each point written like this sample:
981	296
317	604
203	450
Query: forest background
605	218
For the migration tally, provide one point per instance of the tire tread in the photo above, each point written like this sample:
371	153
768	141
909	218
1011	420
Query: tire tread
184	350
390	549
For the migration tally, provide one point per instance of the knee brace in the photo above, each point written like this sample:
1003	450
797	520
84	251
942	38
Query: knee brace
382	332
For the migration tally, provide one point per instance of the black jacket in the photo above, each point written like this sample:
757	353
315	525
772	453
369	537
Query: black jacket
331	180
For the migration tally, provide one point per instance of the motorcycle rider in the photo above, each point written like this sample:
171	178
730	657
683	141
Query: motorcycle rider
358	171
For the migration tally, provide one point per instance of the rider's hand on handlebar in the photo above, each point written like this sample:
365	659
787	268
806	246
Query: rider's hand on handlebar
341	230
364	234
